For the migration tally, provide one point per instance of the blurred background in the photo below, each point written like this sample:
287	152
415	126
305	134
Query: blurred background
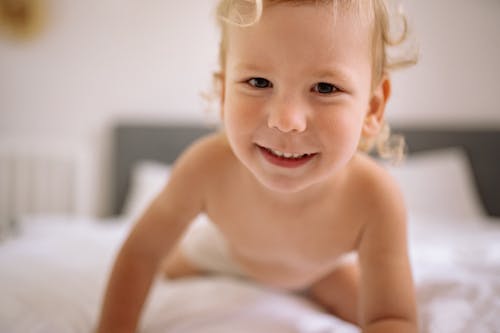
71	69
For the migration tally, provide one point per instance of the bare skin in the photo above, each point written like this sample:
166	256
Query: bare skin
303	253
287	223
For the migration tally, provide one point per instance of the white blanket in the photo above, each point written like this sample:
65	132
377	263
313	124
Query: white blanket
53	275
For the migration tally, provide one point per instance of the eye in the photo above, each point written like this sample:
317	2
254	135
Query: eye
325	88
259	82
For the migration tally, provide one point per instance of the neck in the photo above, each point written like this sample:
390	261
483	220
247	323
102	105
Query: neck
315	193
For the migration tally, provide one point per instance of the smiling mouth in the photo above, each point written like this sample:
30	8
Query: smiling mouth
292	156
285	159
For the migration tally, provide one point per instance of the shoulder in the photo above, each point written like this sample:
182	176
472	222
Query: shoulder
197	168
381	209
208	153
376	201
203	162
375	187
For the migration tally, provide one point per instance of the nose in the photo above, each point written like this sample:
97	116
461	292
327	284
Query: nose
287	115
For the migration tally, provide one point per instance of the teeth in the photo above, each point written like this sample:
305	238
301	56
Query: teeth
286	155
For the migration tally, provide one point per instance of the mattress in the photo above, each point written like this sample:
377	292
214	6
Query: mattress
53	275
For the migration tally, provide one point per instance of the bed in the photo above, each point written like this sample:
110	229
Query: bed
54	269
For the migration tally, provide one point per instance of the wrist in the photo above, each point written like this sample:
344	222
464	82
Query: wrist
391	326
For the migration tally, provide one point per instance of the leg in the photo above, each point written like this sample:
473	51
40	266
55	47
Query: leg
338	292
176	265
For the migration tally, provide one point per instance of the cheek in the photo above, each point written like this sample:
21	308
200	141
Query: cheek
240	112
341	131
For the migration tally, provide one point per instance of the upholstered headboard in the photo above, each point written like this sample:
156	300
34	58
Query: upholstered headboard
483	151
164	142
136	142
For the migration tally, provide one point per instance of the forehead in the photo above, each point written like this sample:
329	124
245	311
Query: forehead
311	33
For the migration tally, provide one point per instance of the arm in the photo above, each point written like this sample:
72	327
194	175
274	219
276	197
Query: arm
150	240
134	270
387	296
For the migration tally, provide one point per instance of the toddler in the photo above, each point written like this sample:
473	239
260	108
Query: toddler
292	200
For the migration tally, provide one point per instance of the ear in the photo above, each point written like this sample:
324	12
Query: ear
374	118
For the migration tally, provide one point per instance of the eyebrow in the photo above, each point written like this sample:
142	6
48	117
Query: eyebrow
247	67
336	72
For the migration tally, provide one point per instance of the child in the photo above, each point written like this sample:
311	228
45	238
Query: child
303	85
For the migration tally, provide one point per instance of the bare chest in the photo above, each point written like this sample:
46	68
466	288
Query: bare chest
284	245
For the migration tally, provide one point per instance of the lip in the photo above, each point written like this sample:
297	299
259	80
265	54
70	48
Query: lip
283	161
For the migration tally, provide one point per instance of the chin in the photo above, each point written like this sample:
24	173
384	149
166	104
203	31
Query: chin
284	185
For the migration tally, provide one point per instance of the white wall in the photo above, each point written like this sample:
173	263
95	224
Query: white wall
457	80
99	60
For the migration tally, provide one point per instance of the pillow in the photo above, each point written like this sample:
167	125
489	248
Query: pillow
439	183
147	179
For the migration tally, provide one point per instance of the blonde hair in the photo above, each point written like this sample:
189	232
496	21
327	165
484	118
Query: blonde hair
244	13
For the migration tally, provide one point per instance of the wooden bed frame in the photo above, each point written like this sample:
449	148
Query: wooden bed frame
164	142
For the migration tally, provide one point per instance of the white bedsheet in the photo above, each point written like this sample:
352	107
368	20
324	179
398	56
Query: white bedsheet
53	274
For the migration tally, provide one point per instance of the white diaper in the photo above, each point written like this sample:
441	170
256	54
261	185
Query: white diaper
348	258
204	246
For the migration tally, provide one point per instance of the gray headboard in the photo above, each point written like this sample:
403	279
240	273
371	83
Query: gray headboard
483	150
136	142
164	142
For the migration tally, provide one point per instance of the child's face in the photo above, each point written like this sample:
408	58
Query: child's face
297	82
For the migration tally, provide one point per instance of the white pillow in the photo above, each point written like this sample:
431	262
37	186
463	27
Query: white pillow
439	183
147	180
